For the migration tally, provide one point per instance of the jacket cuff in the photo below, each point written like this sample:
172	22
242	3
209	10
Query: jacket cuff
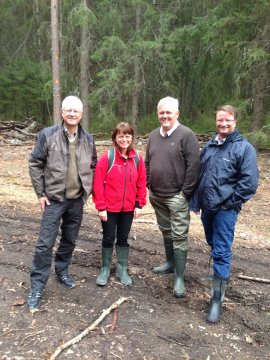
137	205
102	210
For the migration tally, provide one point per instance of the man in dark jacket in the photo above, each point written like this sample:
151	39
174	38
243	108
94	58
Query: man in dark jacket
172	169
61	167
229	177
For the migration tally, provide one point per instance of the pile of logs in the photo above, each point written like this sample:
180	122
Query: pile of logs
14	132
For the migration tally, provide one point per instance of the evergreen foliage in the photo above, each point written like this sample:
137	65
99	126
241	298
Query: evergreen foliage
204	52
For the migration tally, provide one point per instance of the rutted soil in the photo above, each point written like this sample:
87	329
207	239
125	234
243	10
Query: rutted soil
152	324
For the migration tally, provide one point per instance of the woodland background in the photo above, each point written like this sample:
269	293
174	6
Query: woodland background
122	56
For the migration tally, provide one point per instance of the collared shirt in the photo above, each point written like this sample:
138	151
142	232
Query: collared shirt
73	135
220	142
169	133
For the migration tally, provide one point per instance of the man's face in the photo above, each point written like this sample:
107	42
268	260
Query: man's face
167	116
72	114
225	124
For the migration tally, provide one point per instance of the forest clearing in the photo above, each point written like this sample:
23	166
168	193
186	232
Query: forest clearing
151	324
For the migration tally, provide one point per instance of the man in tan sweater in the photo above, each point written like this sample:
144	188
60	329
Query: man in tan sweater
61	167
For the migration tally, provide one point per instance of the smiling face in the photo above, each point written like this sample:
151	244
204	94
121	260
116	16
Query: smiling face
72	115
123	141
225	124
167	116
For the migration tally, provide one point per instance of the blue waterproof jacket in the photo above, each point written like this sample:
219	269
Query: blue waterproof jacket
229	175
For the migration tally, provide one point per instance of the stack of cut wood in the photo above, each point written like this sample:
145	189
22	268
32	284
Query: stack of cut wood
14	132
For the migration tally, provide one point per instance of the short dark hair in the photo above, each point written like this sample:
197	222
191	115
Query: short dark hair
229	109
125	128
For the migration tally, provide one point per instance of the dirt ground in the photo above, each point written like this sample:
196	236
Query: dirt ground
152	324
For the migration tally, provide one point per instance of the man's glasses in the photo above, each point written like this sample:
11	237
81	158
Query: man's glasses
75	112
220	121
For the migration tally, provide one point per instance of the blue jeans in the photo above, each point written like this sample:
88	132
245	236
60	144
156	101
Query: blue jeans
219	233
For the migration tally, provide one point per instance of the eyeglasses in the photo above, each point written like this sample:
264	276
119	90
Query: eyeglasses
220	121
70	111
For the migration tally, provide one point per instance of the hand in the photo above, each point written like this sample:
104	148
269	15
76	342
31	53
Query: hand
103	215
197	212
42	201
137	213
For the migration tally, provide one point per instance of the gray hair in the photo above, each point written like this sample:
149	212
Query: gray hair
72	98
169	100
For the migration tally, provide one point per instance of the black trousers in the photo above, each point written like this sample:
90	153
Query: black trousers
121	221
71	212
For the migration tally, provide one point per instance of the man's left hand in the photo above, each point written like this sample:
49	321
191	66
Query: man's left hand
137	213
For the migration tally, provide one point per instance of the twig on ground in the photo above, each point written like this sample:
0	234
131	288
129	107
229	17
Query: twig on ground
86	331
146	221
2	215
162	337
33	334
113	322
2	248
254	279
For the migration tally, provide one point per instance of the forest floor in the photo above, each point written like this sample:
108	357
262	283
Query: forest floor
152	324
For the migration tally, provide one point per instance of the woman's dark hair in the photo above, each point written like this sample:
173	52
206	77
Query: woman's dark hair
124	128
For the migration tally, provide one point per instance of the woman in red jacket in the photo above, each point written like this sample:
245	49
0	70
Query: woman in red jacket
119	192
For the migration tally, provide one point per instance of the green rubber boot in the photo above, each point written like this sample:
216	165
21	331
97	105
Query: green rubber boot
217	297
168	266
121	271
106	263
180	258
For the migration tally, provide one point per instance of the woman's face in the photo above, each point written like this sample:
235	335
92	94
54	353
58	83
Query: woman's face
123	140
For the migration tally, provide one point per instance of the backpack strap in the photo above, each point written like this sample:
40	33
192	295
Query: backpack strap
111	158
137	159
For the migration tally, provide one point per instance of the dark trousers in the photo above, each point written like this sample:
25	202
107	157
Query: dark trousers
71	212
219	233
116	220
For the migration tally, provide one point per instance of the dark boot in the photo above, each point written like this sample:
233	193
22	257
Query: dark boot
121	271
168	266
217	297
106	263
180	258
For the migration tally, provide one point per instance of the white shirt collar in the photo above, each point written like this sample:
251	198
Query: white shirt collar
73	135
220	142
169	133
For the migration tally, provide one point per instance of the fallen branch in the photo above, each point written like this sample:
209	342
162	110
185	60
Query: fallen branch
254	279
90	328
33	334
146	221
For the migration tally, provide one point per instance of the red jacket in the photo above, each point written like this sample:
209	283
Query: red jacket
123	187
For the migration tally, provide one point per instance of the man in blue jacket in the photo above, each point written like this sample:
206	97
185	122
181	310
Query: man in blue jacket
229	177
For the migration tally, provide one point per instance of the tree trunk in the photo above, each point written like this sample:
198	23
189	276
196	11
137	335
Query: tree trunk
135	100
85	66
260	85
55	63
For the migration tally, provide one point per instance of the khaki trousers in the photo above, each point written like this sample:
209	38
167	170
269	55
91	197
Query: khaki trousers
173	218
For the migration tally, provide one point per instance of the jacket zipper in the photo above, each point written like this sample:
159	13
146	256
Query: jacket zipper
130	171
125	184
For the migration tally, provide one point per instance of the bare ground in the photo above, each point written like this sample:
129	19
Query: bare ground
152	324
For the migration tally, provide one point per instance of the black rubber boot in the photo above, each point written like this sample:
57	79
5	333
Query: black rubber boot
168	266
106	263
217	297
122	259
180	258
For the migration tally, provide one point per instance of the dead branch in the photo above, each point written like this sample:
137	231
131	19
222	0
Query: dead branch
103	143
33	334
86	331
146	221
113	322
254	279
